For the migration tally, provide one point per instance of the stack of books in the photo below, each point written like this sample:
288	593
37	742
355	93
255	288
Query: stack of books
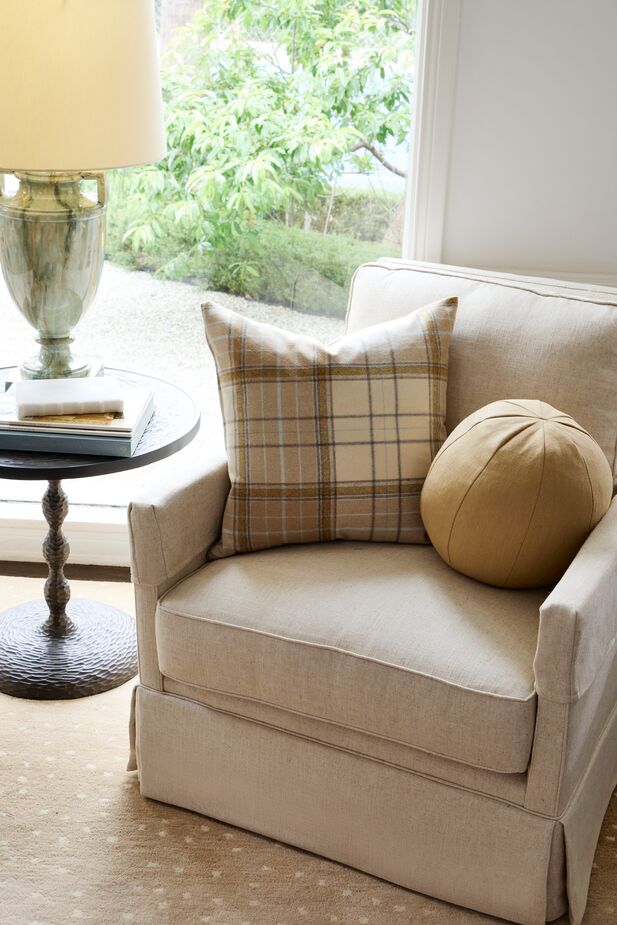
100	416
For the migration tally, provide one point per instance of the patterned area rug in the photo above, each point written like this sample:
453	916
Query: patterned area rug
79	844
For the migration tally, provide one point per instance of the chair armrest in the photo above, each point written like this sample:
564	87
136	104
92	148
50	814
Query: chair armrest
172	527
578	620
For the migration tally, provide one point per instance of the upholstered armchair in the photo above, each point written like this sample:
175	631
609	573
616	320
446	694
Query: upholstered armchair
365	701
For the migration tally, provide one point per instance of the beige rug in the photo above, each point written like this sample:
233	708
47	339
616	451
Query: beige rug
78	844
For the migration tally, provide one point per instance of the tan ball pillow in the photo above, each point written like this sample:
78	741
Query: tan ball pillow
513	493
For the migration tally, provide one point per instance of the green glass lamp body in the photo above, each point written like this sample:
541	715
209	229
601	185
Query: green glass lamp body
52	246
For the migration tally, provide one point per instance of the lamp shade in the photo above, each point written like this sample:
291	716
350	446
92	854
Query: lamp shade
79	85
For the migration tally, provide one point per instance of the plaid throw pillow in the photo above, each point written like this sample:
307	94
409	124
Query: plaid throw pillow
333	442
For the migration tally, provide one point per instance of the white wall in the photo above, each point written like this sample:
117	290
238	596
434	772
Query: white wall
532	171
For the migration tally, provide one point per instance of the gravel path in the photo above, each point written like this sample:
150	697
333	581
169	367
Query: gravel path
152	326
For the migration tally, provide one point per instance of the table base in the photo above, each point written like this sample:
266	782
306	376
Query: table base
98	652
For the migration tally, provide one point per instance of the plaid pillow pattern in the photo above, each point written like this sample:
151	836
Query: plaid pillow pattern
334	442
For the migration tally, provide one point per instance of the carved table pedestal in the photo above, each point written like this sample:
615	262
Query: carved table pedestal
57	648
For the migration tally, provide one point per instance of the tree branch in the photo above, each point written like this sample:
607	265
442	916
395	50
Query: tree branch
406	27
367	146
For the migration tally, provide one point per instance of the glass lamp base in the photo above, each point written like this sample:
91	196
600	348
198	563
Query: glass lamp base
51	254
55	361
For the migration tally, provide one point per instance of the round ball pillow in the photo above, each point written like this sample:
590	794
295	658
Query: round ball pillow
513	492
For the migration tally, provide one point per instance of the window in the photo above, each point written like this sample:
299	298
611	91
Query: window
288	127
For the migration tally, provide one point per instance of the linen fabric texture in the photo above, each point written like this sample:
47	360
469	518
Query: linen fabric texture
493	841
334	442
441	840
514	492
554	341
411	673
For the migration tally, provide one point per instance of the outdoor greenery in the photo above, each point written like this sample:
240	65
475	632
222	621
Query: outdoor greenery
266	106
307	270
365	214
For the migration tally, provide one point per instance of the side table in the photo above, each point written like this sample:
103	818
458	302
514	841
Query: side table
58	648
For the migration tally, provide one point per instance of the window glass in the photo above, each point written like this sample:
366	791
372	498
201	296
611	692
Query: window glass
288	130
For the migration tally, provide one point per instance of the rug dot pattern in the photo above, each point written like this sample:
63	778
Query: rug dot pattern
79	844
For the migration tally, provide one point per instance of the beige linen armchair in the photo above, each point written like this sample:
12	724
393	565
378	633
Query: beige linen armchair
364	701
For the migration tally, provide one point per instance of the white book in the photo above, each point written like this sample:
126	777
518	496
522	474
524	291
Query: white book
90	443
43	397
138	407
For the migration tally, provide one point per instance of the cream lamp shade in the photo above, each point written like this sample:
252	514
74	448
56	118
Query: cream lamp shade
79	84
80	94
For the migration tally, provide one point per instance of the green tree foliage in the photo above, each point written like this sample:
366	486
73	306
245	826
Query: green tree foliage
266	104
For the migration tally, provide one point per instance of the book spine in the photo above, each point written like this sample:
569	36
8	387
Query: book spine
48	443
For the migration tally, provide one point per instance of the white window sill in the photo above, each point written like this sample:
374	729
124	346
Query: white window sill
97	535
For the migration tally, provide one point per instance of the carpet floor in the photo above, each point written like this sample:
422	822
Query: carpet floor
78	844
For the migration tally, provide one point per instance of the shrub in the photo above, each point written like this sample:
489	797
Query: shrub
363	214
306	270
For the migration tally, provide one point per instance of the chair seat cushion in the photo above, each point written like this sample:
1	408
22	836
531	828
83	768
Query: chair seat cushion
379	638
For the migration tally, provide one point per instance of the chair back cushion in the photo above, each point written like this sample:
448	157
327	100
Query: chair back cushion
514	336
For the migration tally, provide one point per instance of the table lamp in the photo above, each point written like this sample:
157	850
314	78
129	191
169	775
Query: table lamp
80	95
